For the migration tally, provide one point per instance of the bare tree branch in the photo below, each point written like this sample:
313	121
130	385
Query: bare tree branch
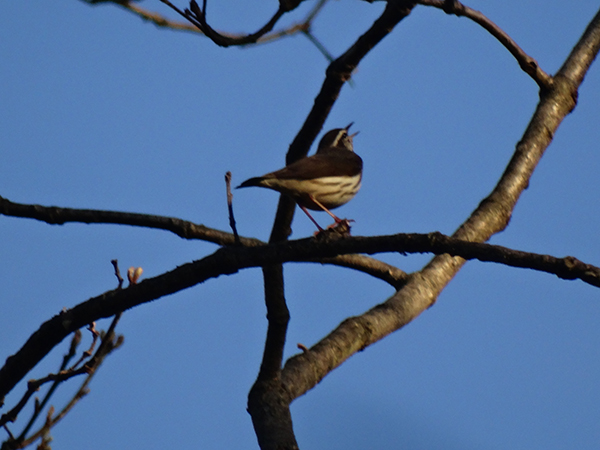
151	16
529	65
275	388
302	26
271	418
197	17
55	215
229	260
192	25
34	385
120	280
371	266
304	371
185	229
89	368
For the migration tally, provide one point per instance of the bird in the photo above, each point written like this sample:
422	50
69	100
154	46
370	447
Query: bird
328	179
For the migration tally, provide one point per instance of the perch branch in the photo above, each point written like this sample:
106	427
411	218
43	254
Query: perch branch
55	215
229	260
184	229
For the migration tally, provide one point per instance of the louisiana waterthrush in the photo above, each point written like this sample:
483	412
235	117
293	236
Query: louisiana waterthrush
324	181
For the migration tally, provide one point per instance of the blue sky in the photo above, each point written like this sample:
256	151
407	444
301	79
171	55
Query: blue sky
102	110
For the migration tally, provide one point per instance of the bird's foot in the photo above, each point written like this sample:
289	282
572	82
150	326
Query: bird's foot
341	227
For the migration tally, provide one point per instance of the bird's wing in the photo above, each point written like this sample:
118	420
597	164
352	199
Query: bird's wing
329	164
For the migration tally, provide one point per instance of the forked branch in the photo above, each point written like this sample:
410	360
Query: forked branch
197	16
304	371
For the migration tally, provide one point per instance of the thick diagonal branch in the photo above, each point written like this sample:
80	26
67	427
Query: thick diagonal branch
304	371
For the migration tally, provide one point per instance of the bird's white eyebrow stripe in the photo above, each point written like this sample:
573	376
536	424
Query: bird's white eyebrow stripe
338	137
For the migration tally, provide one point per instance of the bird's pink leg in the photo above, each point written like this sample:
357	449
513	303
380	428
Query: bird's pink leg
320	205
310	217
343	224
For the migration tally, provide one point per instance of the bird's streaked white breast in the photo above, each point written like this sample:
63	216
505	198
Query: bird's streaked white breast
330	191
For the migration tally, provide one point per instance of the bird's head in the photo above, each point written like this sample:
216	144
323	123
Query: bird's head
338	138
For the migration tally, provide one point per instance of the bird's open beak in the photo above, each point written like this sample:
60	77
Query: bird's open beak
348	128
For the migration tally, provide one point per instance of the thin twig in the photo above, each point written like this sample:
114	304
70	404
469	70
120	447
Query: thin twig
90	368
197	17
230	208
323	50
34	385
157	19
298	27
115	264
194	26
62	375
11	436
148	15
85	355
328	56
45	431
106	345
